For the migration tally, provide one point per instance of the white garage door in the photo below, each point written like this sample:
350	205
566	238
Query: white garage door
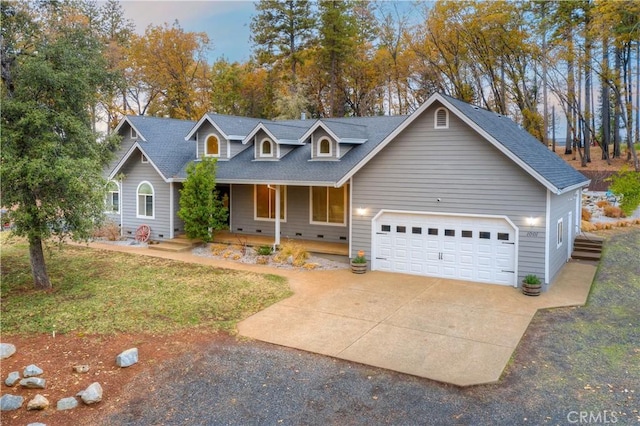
468	248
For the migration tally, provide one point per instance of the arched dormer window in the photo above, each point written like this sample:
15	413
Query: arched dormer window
266	148
441	119
212	146
145	207
324	148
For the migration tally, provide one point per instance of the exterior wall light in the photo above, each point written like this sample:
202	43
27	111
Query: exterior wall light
361	211
531	221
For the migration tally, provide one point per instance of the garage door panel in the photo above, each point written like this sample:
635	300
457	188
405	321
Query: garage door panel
471	248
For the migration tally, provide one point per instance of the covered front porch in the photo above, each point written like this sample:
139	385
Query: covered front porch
252	240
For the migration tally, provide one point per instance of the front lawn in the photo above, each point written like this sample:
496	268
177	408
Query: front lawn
96	291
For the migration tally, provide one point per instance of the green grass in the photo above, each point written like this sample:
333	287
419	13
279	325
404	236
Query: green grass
104	292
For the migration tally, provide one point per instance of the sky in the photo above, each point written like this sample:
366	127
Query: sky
225	22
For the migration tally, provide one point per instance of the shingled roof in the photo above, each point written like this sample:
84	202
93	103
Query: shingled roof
167	144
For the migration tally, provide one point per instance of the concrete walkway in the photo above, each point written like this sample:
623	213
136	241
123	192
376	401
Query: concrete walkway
451	331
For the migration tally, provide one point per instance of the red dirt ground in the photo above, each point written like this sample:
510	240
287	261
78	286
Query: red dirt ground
57	356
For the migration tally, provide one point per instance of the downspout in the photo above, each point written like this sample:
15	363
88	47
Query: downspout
121	205
171	212
351	216
547	239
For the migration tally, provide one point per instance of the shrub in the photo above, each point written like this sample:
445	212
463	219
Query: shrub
603	203
586	214
531	279
291	252
109	230
218	249
587	226
264	250
612	211
626	182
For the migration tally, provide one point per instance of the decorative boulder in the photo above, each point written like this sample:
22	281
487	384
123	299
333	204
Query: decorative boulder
38	402
32	370
6	350
92	394
67	403
33	383
10	402
12	378
127	358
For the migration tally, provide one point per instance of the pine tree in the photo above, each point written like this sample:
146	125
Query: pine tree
201	209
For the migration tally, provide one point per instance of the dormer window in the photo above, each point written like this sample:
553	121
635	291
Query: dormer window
134	134
441	120
266	148
324	148
212	146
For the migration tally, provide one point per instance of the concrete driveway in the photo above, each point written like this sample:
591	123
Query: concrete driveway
451	331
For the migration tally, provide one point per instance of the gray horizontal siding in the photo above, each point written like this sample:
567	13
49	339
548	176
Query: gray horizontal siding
464	171
297	217
136	172
560	206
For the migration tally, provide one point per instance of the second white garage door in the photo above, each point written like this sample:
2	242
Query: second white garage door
461	247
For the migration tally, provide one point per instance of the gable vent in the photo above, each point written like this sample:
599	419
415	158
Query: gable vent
441	120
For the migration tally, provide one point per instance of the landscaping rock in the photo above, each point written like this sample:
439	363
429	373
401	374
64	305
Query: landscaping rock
12	378
83	368
127	358
10	402
32	370
67	403
92	394
33	383
38	402
6	350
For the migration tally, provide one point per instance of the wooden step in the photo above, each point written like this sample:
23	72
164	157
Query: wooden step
590	249
585	255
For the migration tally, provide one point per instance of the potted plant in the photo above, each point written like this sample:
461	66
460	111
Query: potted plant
531	285
359	263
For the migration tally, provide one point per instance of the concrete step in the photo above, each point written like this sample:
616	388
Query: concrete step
585	255
172	245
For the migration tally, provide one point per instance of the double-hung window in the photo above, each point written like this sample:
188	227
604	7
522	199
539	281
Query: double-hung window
145	206
328	205
113	198
265	202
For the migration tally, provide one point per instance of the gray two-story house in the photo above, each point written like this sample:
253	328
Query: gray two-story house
451	190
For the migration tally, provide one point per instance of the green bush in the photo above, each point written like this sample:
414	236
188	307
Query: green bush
531	279
264	250
626	183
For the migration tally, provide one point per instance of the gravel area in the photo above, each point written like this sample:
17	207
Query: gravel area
250	256
572	362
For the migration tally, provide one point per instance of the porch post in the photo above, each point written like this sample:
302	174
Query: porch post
277	230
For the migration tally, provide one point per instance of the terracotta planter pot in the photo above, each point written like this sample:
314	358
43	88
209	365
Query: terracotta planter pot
358	268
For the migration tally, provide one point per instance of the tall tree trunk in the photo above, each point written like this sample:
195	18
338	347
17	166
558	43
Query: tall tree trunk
587	97
38	267
618	105
606	107
571	93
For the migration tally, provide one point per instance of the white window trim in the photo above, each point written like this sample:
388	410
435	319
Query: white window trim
133	134
206	145
143	158
261	154
435	118
255	205
327	223
560	233
153	204
319	143
109	202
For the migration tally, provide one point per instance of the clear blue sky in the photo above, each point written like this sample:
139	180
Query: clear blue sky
225	22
